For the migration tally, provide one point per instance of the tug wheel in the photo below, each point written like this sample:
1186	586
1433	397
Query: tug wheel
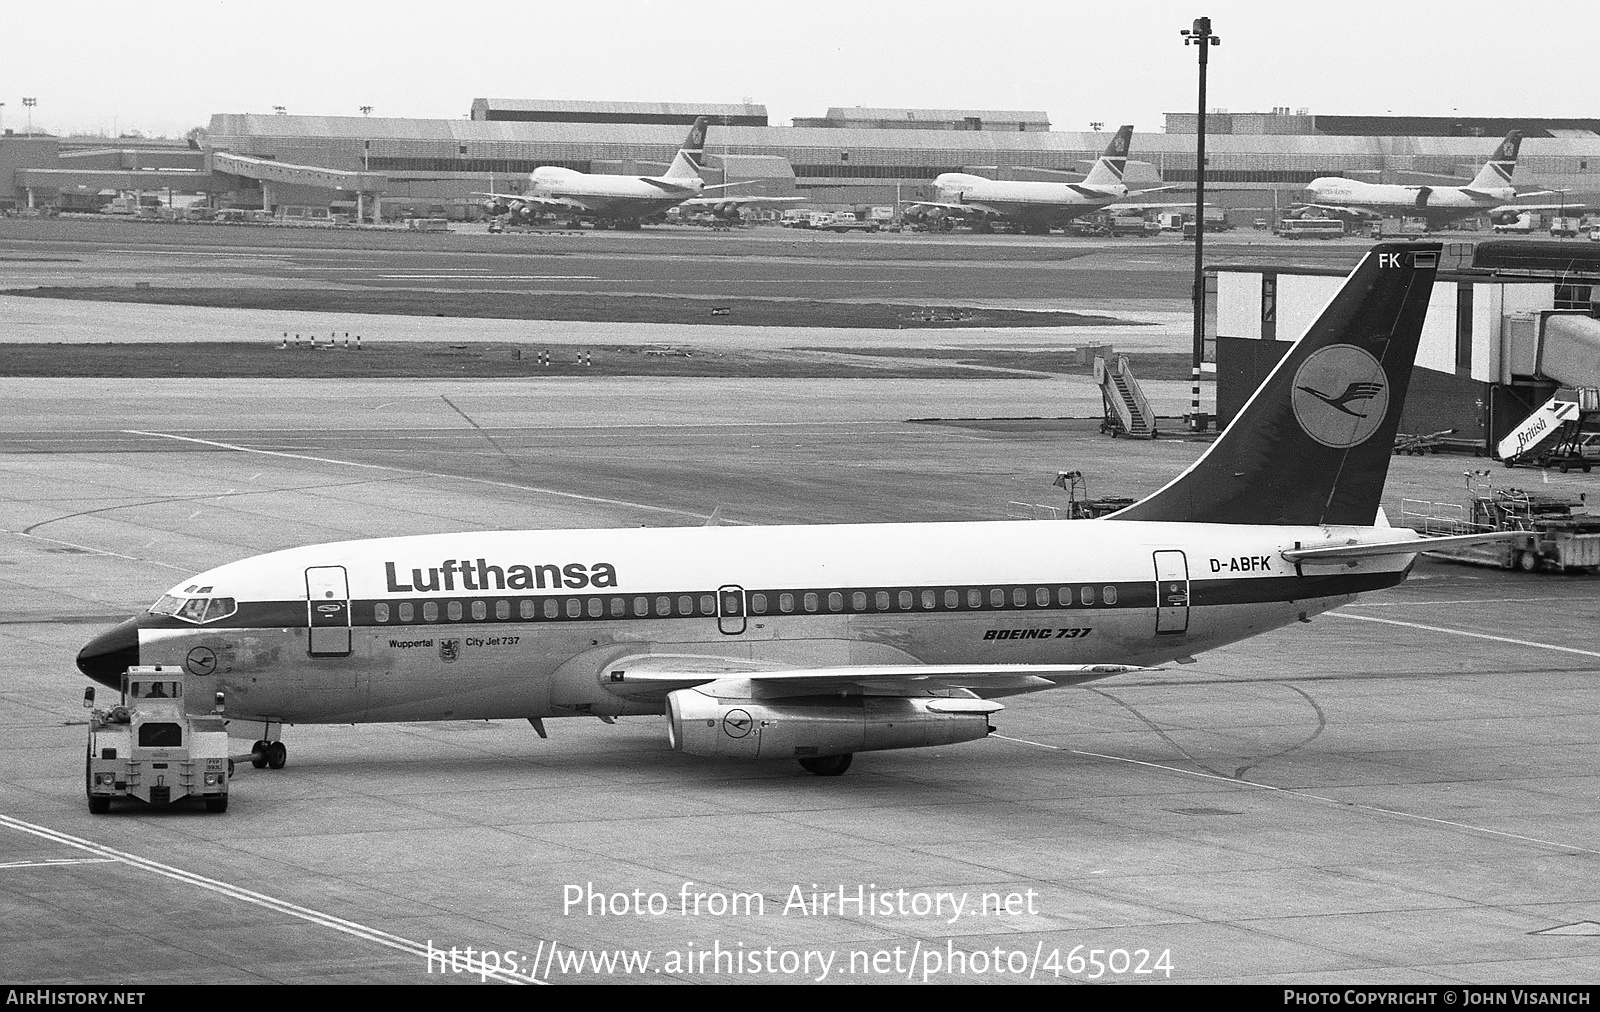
277	755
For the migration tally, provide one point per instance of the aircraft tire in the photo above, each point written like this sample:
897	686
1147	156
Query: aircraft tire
258	754
827	766
277	755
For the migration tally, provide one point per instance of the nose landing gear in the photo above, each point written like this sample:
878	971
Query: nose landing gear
265	754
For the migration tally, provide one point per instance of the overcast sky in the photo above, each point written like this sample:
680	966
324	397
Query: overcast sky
164	66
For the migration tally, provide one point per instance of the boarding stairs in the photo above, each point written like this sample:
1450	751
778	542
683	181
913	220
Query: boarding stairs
1127	411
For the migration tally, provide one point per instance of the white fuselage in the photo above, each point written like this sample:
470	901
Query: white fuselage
1393	200
612	195
1054	201
529	623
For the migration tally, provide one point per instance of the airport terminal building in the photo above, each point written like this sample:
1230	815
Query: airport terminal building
851	157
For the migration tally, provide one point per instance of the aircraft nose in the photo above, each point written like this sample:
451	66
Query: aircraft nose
109	654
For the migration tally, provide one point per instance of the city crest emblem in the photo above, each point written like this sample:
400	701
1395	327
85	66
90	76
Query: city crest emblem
449	650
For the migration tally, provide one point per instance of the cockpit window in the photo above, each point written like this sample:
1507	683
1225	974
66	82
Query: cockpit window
198	610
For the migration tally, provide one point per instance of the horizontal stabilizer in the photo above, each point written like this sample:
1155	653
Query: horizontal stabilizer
1339	553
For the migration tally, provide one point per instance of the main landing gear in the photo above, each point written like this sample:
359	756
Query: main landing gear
827	766
264	754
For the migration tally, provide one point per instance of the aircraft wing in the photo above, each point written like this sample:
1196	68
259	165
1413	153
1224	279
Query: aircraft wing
559	203
1348	211
986	209
1570	209
740	200
655	676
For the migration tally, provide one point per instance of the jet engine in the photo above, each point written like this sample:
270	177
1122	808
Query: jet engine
1506	216
494	208
813	727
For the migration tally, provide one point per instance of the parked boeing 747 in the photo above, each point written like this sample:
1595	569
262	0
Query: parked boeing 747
623	201
817	642
1036	206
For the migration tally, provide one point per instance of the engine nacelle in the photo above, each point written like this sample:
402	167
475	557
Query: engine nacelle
494	208
1506	216
703	725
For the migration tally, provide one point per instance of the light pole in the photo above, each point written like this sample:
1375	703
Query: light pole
29	103
1200	35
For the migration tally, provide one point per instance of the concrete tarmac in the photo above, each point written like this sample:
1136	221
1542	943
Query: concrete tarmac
1404	791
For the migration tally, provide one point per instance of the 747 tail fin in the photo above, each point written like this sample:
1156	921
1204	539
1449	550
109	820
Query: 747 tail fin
1313	444
1497	171
687	162
1110	166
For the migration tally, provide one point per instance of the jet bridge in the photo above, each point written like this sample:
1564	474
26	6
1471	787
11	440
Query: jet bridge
1562	348
278	178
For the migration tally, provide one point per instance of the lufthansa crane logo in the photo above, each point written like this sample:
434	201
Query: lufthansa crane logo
1340	396
737	723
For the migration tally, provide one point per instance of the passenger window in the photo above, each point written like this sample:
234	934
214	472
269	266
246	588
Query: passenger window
1019	596
597	607
686	605
380	613
527	609
997	598
708	604
1109	595
858	601
1041	597
786	603
1086	595
641	607
952	599
502	610
454	610
407	613
574	608
663	606
811	601
974	599
883	600
835	601
619	607
480	610
1064	596
905	600
929	602
552	608
430	611
758	604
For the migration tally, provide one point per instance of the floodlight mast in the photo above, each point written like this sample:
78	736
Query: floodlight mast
1200	36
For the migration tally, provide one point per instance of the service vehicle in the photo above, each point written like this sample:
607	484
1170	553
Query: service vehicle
1564	228
1311	228
149	749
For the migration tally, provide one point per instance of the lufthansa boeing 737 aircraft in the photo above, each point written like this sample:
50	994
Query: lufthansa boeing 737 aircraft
817	642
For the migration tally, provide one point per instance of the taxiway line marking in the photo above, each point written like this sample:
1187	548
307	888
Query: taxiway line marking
97	551
1305	794
1464	632
430	474
326	920
58	862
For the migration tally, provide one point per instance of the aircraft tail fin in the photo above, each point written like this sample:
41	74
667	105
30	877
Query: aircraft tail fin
1496	172
1313	444
687	163
1110	166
